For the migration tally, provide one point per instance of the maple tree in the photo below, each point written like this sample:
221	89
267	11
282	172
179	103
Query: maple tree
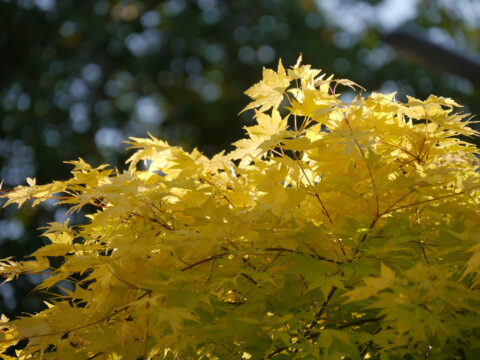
334	230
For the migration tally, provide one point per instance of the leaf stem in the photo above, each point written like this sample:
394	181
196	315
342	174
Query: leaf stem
362	153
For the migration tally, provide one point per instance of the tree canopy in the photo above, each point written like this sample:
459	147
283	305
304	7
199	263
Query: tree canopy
332	230
78	78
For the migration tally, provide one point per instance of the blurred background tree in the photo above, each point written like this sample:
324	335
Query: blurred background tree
79	77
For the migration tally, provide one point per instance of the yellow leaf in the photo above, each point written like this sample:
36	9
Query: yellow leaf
313	103
304	73
269	91
268	126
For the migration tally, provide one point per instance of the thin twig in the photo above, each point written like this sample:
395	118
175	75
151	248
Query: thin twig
362	153
364	236
131	286
429	200
315	193
94	356
210	258
400	199
123	308
359	322
168	227
302	253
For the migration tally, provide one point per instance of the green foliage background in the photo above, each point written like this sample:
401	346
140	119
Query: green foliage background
72	74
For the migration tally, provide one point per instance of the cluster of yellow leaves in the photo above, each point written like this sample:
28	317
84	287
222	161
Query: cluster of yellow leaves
333	230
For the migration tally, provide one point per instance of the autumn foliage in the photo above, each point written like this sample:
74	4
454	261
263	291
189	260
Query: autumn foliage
334	230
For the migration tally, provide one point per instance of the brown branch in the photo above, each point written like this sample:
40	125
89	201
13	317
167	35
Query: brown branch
359	322
211	269
323	207
311	248
314	335
131	286
341	247
302	253
94	356
278	351
276	256
403	149
425	255
400	199
249	278
364	237
210	258
168	227
320	312
309	334
147	305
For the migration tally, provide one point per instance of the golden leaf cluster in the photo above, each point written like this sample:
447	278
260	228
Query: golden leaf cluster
333	230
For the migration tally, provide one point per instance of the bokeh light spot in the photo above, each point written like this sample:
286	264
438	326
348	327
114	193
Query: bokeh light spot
68	28
265	54
23	102
151	19
79	117
107	137
246	54
11	229
214	53
92	73
313	21
143	43
45	5
149	111
211	92
241	34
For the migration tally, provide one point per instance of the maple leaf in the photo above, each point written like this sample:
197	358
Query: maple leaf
270	90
